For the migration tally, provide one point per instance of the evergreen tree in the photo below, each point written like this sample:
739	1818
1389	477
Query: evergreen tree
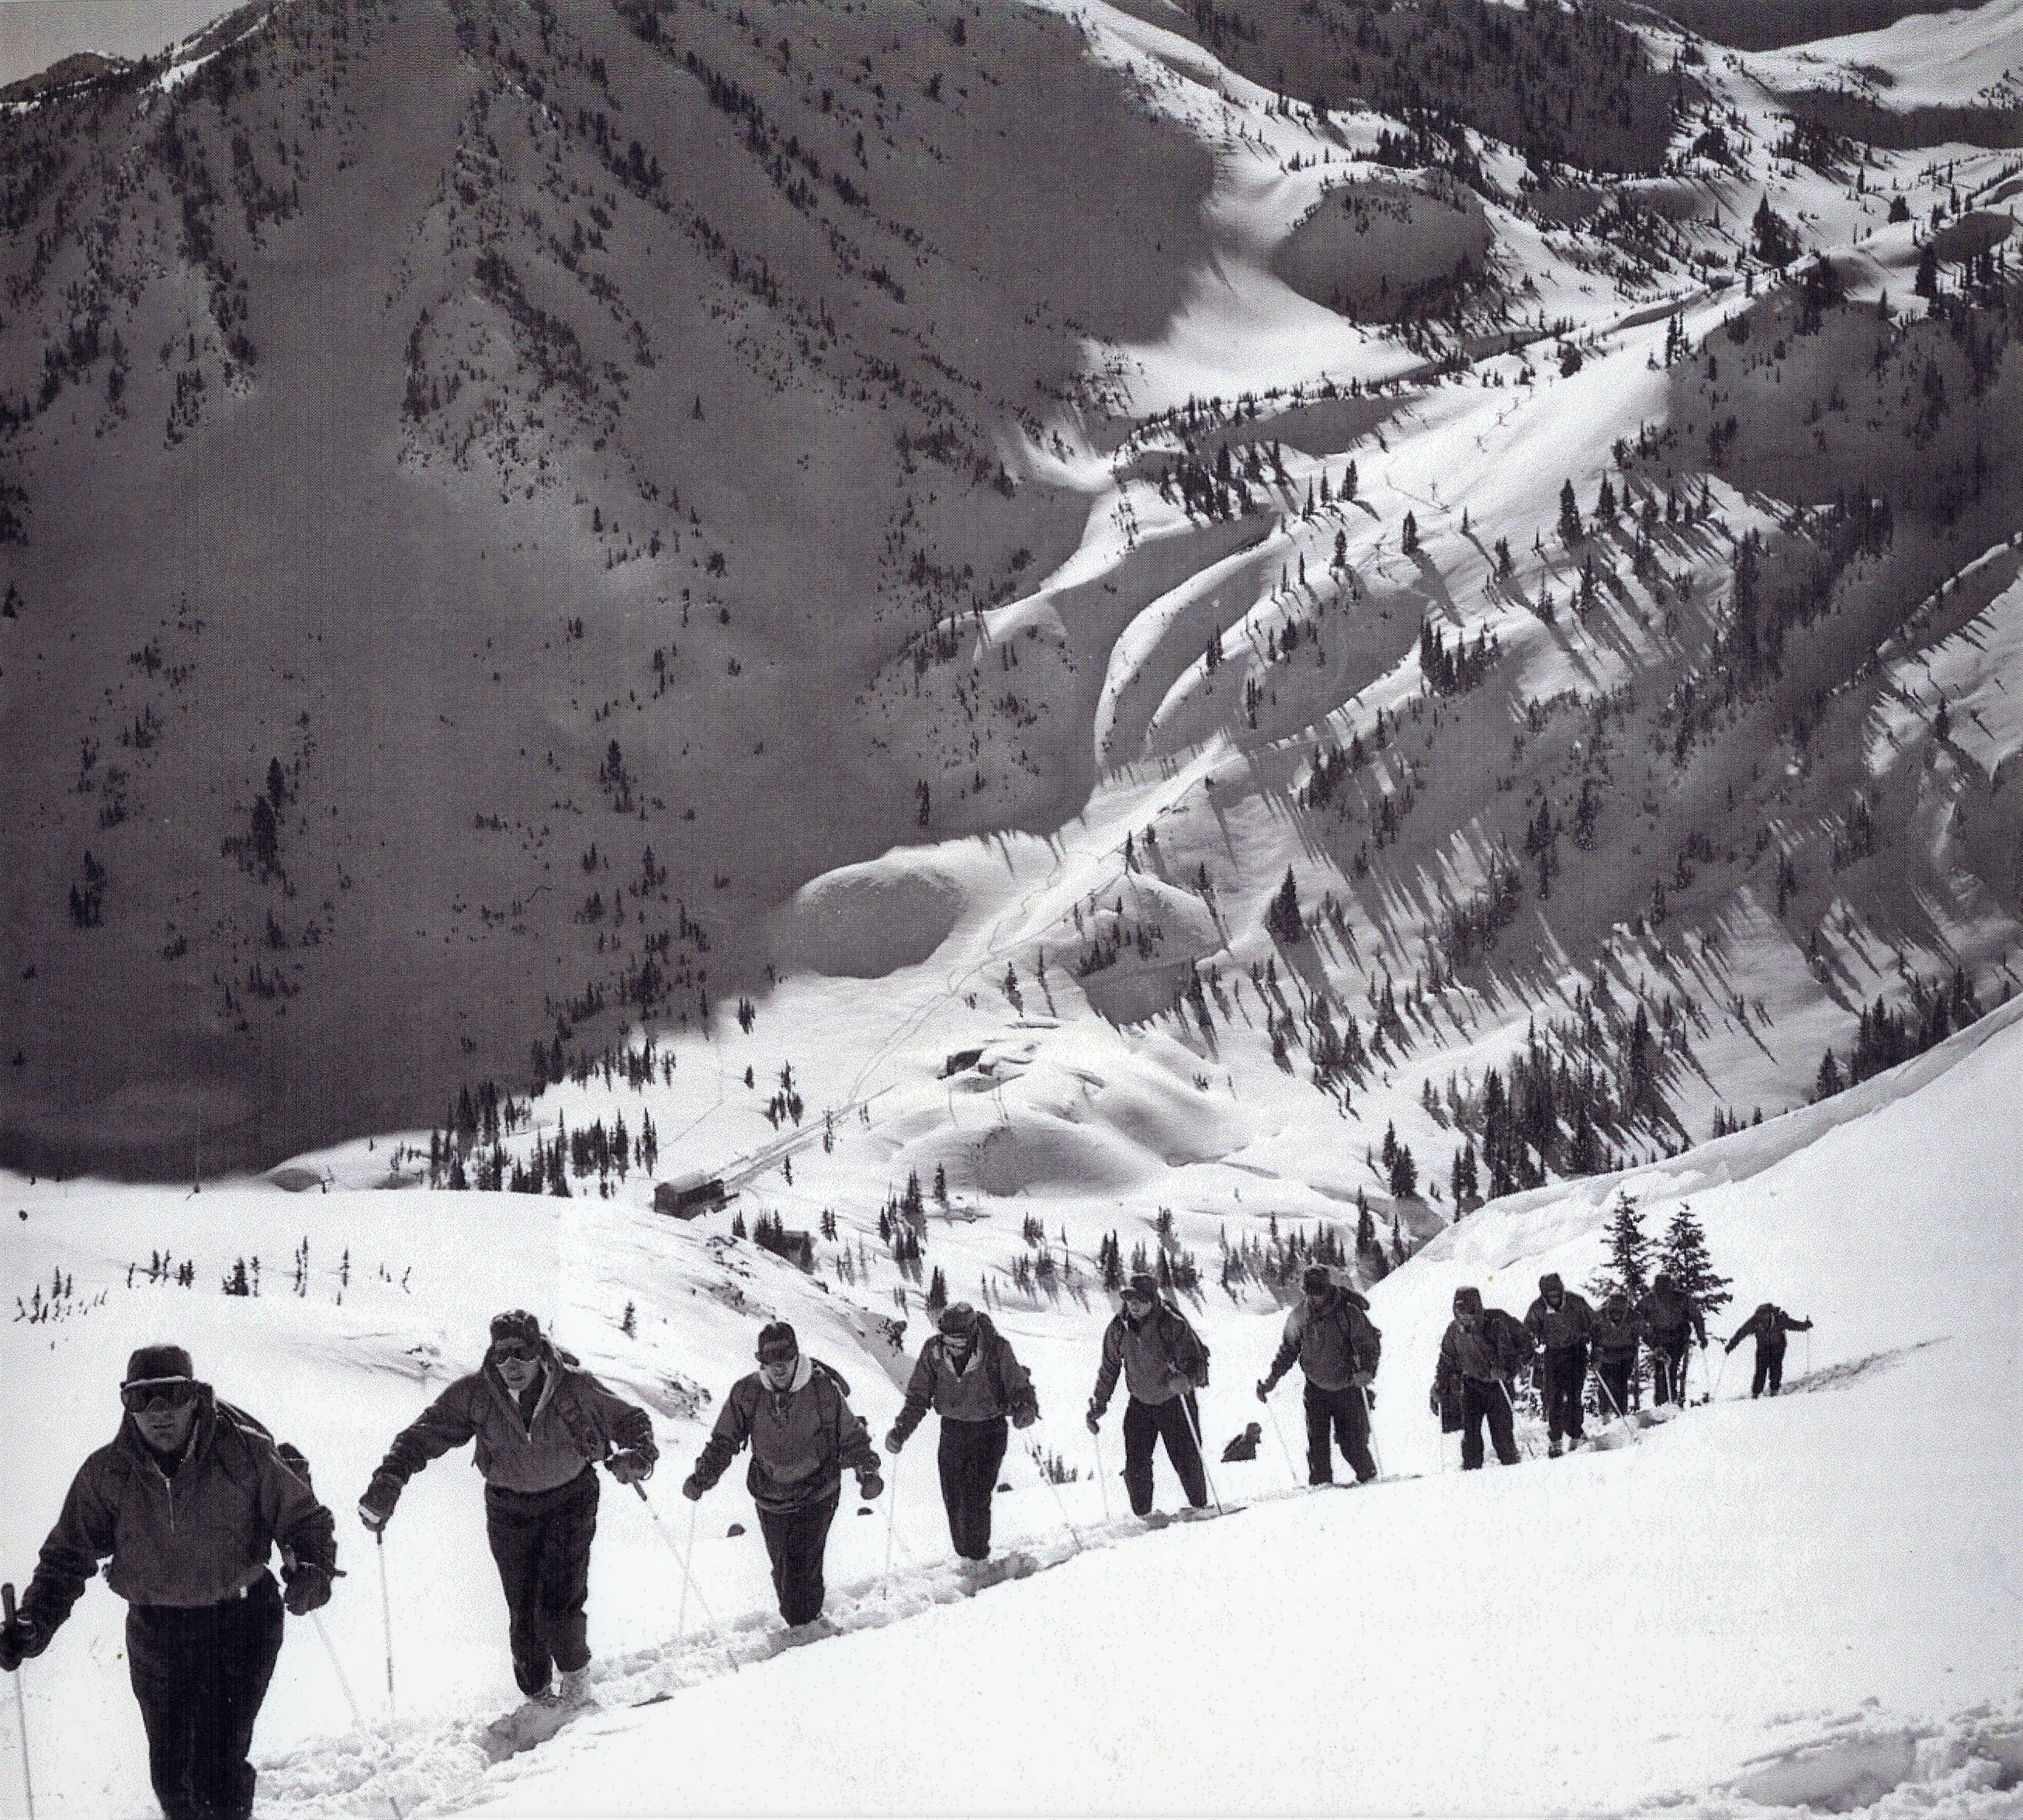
1829	1082
1283	919
1569	518
1628	1269
1404	1174
1685	1258
1409	537
937	1296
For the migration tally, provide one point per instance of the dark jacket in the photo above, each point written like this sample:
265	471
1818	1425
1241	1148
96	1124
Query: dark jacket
802	1439
1161	1357
192	1539
1568	1324
1667	1314
1617	1330
1333	1343
576	1420
1768	1325
1495	1350
991	1383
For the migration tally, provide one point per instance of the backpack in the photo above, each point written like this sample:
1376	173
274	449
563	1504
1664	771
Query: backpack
252	1428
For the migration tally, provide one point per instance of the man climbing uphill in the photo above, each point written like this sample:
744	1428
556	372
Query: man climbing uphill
1561	1323
968	1375
1338	1349
1481	1354
184	1505
1768	1326
1672	1319
795	1412
1617	1331
541	1423
1163	1363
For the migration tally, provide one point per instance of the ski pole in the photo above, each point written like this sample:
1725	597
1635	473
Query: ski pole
1531	1452
891	1523
20	1704
688	1553
1721	1372
350	1698
1101	1478
1067	1521
386	1624
1201	1453
1286	1453
687	1579
1370	1423
1607	1392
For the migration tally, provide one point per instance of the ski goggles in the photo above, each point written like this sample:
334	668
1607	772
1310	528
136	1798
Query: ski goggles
164	1393
526	1352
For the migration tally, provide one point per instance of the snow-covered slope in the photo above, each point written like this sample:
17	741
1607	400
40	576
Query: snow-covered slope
1809	1600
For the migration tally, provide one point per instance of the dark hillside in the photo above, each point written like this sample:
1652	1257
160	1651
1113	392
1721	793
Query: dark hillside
457	463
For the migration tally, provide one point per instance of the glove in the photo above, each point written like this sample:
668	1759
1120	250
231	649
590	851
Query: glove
630	1466
1362	1380
692	1488
869	1485
1433	1400
376	1508
22	1639
1024	1416
895	1441
308	1589
1094	1419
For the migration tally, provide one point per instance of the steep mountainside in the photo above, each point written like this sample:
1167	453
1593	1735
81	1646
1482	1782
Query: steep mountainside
461	464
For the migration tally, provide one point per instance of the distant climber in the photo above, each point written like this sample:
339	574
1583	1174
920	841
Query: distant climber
1672	1320
1562	1324
1768	1327
1244	1447
1617	1331
1481	1354
969	1375
1338	1349
1163	1362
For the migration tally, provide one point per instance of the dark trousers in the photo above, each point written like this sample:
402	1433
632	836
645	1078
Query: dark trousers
1480	1401
1615	1374
200	1673
970	1455
1668	1369
1769	1371
1173	1422
796	1540
1563	1377
541	1542
1345	1412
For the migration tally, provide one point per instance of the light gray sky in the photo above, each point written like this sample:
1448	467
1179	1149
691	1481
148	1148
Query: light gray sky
34	33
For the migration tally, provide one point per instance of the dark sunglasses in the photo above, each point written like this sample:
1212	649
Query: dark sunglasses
516	1349
168	1393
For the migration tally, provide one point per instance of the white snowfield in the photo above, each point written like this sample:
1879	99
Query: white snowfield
1941	60
1809	1603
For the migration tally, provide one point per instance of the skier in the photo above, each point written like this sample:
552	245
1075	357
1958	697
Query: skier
795	1412
1481	1354
1669	1316
541	1423
187	1501
1244	1447
1338	1349
968	1375
1768	1325
1617	1331
1163	1363
1562	1324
